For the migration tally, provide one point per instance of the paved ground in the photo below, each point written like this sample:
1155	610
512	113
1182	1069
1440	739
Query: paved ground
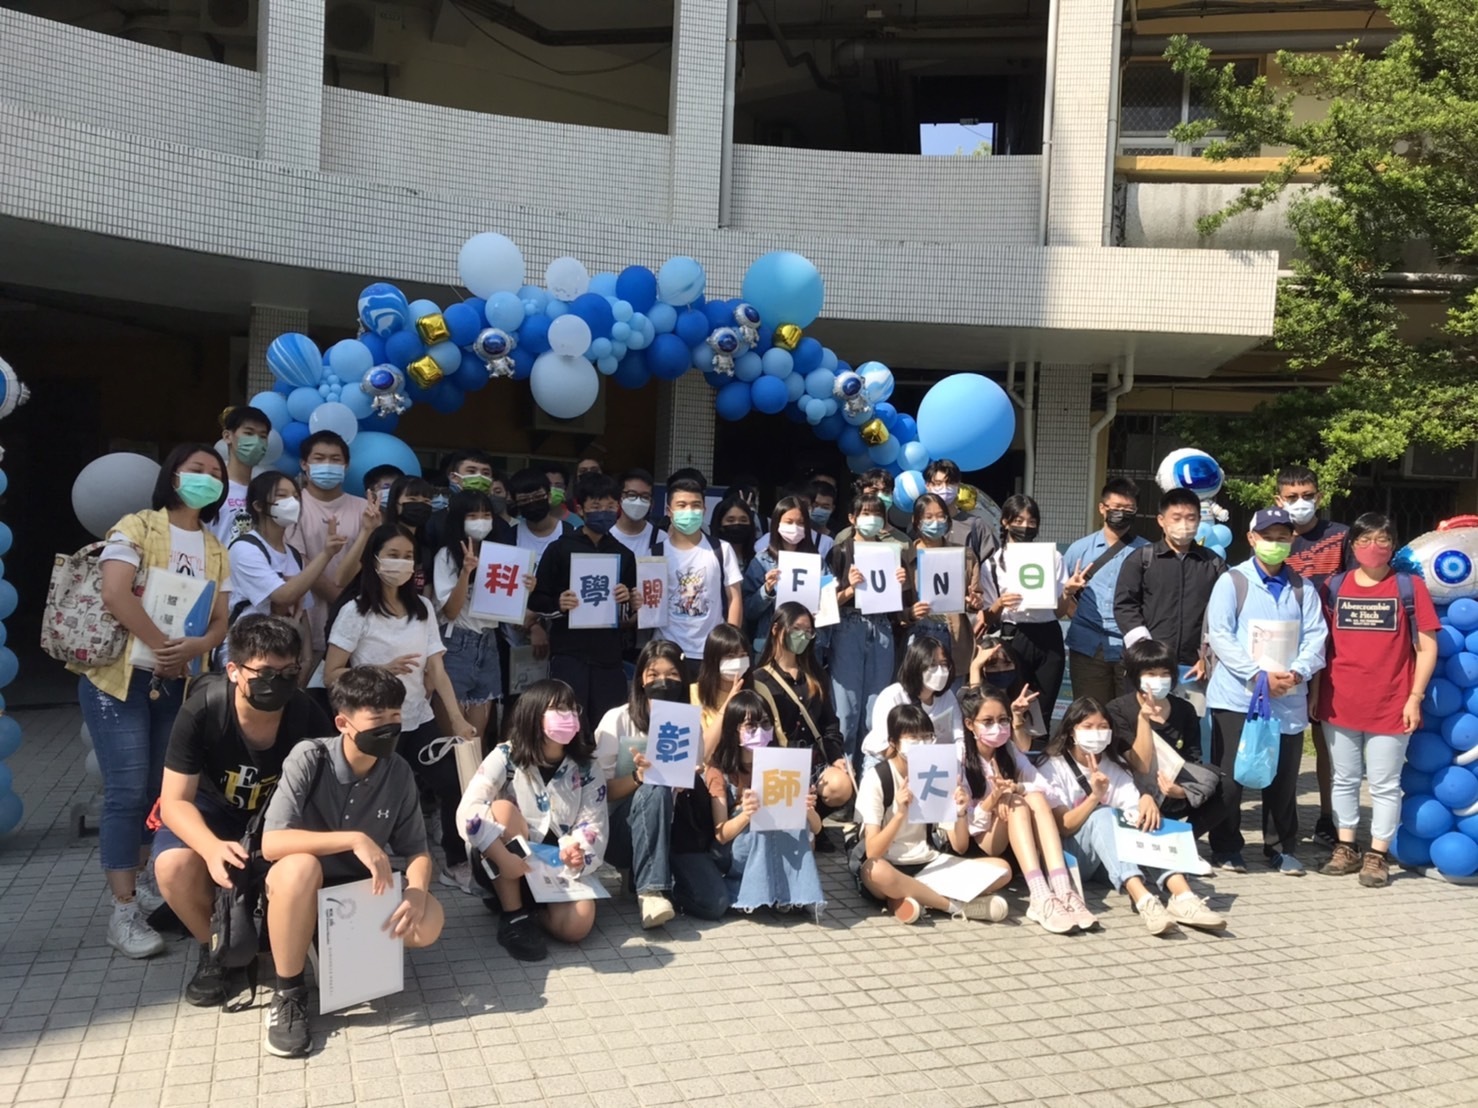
1321	992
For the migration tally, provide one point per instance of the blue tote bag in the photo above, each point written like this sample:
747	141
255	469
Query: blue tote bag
1257	751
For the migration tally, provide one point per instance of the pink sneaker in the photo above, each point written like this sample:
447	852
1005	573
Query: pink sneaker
1075	907
1052	914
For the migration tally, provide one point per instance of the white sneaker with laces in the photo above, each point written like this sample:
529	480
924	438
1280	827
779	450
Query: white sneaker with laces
146	893
129	935
457	877
1193	911
656	910
1157	920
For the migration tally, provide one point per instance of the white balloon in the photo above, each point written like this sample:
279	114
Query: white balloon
334	417
91	765
490	263
566	278
563	385
275	447
569	335
86	736
111	487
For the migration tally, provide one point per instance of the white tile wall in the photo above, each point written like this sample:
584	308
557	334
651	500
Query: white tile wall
696	108
1080	121
1063	396
290	61
685	423
267	322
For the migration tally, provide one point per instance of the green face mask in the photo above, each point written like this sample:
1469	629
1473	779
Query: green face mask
1271	553
198	490
475	482
250	449
556	496
887	500
799	641
688	520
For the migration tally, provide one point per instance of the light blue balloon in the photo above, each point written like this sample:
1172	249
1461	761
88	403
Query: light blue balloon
9	664
8	599
877	381
795	386
504	310
350	360
620	332
1221	534
748	366
420	309
815	413
663	318
535	296
786	288
914	455
603	284
448	355
4	635
10	736
819	383
967	418
680	281
555	308
859	417
357	401
618	349
374	448
5	539
828	358
601	348
703	357
623	311
908	487
777	362
884	452
295	360
301	402
273	405
608	365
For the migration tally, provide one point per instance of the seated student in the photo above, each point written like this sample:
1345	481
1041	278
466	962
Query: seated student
1004	807
1087	794
540	785
341	804
892	850
225	755
662	835
1150	713
720	676
924	678
775	869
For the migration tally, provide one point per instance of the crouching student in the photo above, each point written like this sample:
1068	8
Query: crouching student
540	785
892	850
1088	792
1006	807
340	805
662	835
775	869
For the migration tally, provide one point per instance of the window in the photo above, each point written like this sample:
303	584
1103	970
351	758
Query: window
1153	98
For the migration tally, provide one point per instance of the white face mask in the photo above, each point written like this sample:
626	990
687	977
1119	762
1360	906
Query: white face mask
792	532
636	507
286	511
1092	740
1157	687
734	667
1301	511
909	744
936	678
1182	533
477	528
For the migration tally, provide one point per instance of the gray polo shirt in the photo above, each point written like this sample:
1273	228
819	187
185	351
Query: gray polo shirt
385	803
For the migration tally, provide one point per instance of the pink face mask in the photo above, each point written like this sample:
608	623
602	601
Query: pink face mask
561	727
1373	557
753	738
992	735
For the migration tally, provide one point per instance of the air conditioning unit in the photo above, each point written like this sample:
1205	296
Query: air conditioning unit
356	30
1441	465
592	422
229	18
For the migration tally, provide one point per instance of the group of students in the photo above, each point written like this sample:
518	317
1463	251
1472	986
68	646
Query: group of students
355	663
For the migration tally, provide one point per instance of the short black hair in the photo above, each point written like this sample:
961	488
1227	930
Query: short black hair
1179	496
378	473
685	484
560	468
943	465
457	457
263	636
688	473
1372	523
528	480
637	474
1145	655
596	486
1297	475
244	413
330	437
366	687
1120	486
820	488
166	496
907	719
877	475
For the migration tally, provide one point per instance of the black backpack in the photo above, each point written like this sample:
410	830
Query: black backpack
857	848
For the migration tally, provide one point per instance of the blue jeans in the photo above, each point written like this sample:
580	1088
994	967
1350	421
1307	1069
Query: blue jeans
861	665
693	881
129	737
1094	848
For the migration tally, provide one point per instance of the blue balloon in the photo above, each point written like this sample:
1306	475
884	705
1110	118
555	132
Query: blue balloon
819	383
523	363
446	398
830	427
301	403
504	310
533	336
748	366
777	362
294	359
472	374
1411	850
732	401
1414	780
1428	752
884	452
292	440
403	347
1455	855
1455	786
668	357
768	395
692	327
1442	699
8	599
1450	641
534	299
464	322
968	419
383	309
11	811
718	313
680	281
273	405
785	287
358	401
637	285
447	355
602	285
1221	534
595	310
908	487
350	359
1463	614
914	455
556	308
10	736
807	355
1460	731
375	448
9	665
850	442
905	429
887	413
795	387
663	318
420	309
702	356
633	373
1470	643
1462	670
1425	816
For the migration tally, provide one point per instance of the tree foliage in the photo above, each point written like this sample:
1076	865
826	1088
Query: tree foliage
1395	161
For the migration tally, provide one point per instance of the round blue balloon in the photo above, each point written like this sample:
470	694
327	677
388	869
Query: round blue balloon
1442	699
748	366
914	455
533	336
383	309
777	362
768	395
1463	614
668	357
905	429
1455	855
1428	752
603	285
471	375
850	443
301	403
830	427
795	387
908	486
786	288
446	398
11	811
523	363
9	666
595	310
732	401
8	599
692	327
376	448
294	359
1450	641
718	313
637	285
10	736
1455	786
632	372
292	440
447	355
504	310
403	347
968	419
273	405
819	382
807	355
1425	816
663	318
1462	670
464	322
1410	849
1461	731
358	401
884	452
1414	780
680	281
350	359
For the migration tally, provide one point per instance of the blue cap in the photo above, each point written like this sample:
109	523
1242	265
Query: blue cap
1270	517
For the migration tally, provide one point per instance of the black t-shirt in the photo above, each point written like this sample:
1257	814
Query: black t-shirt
207	741
1181	732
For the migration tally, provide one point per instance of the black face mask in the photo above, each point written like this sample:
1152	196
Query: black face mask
378	742
1022	534
1001	679
1119	519
535	511
269	694
665	688
736	534
415	514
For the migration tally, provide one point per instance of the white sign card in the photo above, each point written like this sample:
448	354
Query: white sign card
499	588
674	744
593	578
1273	643
800	580
524	669
1172	847
961	879
174	602
933	774
651	593
1030	568
551	883
941	579
880	592
829	613
358	961
782	779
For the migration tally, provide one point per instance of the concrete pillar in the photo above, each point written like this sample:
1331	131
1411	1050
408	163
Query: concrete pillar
1080	118
696	116
685	419
1064	393
290	64
267	322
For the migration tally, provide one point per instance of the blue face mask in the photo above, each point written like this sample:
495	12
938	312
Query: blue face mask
385	497
934	528
438	503
1001	679
600	522
326	475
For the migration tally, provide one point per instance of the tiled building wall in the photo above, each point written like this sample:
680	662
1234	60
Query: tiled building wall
290	60
696	109
1064	393
1080	121
685	421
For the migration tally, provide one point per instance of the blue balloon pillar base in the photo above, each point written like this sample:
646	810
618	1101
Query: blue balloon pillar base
11	808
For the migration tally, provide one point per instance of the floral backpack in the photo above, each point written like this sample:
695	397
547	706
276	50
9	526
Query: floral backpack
76	628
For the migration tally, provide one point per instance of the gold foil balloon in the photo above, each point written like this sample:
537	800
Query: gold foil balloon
966	499
424	371
433	329
787	336
874	433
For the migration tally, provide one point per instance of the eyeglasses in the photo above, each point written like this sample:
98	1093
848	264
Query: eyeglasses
1364	542
270	674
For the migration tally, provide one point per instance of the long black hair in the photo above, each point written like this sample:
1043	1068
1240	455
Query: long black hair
744	707
743	550
917	657
807	545
459	507
1061	743
971	700
523	730
786	617
639	705
724	641
371	596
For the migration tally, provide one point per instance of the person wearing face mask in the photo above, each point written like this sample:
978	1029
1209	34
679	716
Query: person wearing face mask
537	530
244	430
1263	622
1163	588
342	806
1089	784
1382	653
390	624
587	659
924	678
542	786
763	869
931	530
633	528
325	461
1095	647
876	482
977	530
662	835
723	672
225	755
129	704
734	521
703	576
789	530
1037	643
377	484
558	476
466	471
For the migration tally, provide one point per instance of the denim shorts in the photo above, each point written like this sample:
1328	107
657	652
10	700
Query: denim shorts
223	822
471	662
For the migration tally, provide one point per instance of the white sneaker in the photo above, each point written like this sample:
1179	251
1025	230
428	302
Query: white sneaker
457	877
1193	911
1157	920
656	910
129	935
987	907
146	893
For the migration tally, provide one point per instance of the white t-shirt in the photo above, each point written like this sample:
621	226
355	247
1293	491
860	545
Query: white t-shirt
910	846
640	544
446	573
615	740
374	640
1060	783
256	576
696	592
949	724
1030	615
233	520
186	551
1026	777
525	539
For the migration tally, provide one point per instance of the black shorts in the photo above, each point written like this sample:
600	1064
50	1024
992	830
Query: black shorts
223	822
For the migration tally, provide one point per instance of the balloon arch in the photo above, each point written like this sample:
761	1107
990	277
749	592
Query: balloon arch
630	327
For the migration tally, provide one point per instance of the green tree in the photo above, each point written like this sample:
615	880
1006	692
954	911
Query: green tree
1394	159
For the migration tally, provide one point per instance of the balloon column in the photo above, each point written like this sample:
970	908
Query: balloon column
631	327
12	395
1198	471
1439	806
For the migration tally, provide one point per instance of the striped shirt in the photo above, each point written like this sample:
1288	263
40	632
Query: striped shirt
1319	553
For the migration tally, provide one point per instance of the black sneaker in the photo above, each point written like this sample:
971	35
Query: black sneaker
519	934
824	844
1324	833
207	989
287	1024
